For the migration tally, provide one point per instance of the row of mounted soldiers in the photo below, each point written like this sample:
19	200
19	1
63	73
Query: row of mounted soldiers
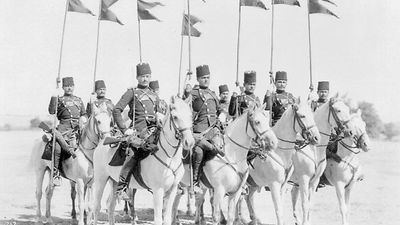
146	109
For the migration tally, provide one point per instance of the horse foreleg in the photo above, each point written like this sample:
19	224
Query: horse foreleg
49	196
217	200
222	217
39	184
340	193
73	196
250	206
81	206
131	204
111	204
169	198
189	211
158	195
233	208
275	189
175	219
304	195
347	192
199	215
98	189
295	198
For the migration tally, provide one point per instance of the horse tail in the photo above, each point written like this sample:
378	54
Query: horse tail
35	158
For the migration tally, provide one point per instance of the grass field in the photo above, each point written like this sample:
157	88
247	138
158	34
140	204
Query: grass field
375	201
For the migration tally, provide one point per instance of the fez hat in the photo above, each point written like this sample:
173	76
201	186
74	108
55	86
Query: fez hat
99	84
142	69
323	85
223	88
202	70
154	85
281	75
250	77
67	81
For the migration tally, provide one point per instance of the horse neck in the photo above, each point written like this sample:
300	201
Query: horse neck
322	122
343	152
237	132
89	139
167	138
284	129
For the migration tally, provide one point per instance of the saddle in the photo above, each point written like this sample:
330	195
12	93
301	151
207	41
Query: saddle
49	147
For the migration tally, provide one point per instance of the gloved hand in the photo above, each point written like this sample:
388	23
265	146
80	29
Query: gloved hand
57	92
313	96
129	132
82	121
93	97
159	117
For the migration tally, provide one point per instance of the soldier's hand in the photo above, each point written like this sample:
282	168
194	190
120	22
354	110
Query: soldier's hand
188	88
57	92
129	132
93	97
234	94
160	117
313	96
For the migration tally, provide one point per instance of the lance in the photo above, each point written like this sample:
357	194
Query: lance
181	53
271	71
140	36
97	47
58	80
238	45
311	87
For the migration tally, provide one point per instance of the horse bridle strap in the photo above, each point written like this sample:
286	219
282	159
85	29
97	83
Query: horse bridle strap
339	123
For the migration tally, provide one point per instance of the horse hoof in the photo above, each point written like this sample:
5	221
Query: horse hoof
48	221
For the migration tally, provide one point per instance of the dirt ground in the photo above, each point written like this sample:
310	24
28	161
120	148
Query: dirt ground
375	201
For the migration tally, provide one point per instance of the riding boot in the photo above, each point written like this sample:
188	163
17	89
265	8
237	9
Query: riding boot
56	163
64	145
124	178
207	146
197	159
323	181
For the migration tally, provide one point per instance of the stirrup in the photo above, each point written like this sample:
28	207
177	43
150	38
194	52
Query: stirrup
245	190
122	194
56	178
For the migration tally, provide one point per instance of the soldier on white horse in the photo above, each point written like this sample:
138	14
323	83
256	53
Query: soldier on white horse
100	89
71	115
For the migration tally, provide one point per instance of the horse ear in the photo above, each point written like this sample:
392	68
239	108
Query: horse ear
359	112
172	99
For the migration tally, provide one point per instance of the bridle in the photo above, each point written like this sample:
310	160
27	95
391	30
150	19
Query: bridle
98	134
342	125
305	130
358	141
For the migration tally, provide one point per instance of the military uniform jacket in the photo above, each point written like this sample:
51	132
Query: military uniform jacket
143	103
205	107
316	104
97	102
241	103
280	102
69	110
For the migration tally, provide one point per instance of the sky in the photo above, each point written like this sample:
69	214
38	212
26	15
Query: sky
358	53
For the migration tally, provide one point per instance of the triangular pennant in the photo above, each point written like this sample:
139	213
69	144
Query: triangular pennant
185	26
77	6
254	3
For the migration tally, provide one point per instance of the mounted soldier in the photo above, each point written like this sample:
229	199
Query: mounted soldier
100	89
155	86
71	114
239	104
224	116
143	111
206	108
280	100
323	95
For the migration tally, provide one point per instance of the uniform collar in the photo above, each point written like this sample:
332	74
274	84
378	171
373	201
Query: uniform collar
142	86
280	91
248	93
322	100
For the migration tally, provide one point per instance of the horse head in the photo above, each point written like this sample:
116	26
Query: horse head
181	119
304	122
357	131
259	122
102	119
339	115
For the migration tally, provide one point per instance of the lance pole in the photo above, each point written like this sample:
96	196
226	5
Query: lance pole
238	45
311	87
140	38
97	47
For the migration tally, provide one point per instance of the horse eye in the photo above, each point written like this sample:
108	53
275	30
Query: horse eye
174	117
257	122
98	121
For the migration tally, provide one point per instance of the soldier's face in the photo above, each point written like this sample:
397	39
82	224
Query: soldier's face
250	87
280	85
101	92
68	90
323	94
144	80
224	95
204	81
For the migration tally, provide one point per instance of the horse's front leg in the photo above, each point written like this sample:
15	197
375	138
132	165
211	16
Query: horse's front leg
175	219
347	192
340	193
39	184
131	204
158	195
304	194
217	200
250	205
111	204
295	198
170	199
277	199
81	199
199	214
73	196
98	189
49	196
233	208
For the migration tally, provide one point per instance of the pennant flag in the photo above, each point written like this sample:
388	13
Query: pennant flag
254	3
185	26
143	10
107	14
316	7
77	6
287	2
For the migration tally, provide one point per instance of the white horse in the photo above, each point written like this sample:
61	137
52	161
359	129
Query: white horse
78	170
310	162
161	171
277	168
228	174
344	169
